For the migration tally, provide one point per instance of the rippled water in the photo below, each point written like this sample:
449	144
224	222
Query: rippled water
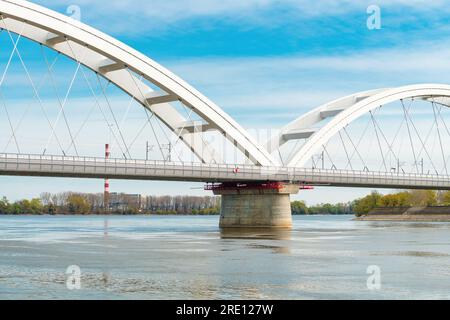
323	257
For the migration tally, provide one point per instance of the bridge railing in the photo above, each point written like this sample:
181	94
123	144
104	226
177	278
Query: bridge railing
211	171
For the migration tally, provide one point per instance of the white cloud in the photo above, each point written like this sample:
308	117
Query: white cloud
158	14
282	88
289	86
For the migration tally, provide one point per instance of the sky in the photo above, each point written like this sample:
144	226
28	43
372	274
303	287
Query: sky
266	62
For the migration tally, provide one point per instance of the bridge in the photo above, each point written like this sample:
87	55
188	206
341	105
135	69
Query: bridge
94	89
101	168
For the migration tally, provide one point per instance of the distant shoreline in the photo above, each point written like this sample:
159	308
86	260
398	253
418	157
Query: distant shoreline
423	214
103	214
406	218
148	214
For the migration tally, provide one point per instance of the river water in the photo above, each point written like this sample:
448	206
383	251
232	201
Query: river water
181	257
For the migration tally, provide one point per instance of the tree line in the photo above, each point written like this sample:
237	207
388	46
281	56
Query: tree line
300	208
119	203
411	198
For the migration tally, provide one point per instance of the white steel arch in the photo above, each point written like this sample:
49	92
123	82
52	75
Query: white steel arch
114	60
346	110
305	126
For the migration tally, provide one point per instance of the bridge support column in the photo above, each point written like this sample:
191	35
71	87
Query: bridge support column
265	205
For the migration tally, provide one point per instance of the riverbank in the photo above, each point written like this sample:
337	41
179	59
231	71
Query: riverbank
423	214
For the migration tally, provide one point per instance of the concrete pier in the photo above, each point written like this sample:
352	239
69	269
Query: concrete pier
263	206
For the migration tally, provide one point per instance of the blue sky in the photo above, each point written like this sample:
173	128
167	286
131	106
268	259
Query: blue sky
266	62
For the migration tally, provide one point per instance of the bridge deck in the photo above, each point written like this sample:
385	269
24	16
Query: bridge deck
84	167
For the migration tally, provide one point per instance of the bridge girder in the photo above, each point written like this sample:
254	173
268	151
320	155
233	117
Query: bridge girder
100	168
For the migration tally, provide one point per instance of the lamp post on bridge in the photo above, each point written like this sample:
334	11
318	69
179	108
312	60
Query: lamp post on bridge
148	148
421	165
168	147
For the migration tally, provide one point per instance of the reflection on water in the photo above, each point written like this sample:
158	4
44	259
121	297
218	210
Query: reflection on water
405	224
256	233
260	234
322	257
423	254
105	227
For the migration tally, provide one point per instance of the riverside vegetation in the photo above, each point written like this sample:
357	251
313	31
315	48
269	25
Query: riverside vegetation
412	198
125	204
86	203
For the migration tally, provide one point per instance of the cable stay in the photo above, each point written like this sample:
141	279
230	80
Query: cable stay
62	104
439	136
35	92
29	104
378	140
420	139
345	149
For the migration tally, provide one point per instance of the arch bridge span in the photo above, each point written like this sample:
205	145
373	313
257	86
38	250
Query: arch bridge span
158	90
344	111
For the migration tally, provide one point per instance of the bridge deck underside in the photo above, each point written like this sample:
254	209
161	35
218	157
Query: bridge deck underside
49	166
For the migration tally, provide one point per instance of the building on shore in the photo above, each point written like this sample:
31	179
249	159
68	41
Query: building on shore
125	202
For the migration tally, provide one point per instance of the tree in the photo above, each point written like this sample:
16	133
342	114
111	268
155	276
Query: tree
33	206
46	198
366	204
77	204
15	209
445	198
4	206
401	199
299	207
423	198
36	206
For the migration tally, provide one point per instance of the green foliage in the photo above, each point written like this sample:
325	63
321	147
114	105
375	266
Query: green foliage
401	199
422	198
299	207
74	203
206	211
413	198
327	208
33	206
368	203
446	198
4	206
77	204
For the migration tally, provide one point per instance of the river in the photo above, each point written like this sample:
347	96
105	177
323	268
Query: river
188	257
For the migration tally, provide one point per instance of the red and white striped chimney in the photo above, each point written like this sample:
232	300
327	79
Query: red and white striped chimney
106	191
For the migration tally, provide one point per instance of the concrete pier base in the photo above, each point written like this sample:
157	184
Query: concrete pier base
256	207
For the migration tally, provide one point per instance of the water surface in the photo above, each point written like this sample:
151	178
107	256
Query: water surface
142	257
